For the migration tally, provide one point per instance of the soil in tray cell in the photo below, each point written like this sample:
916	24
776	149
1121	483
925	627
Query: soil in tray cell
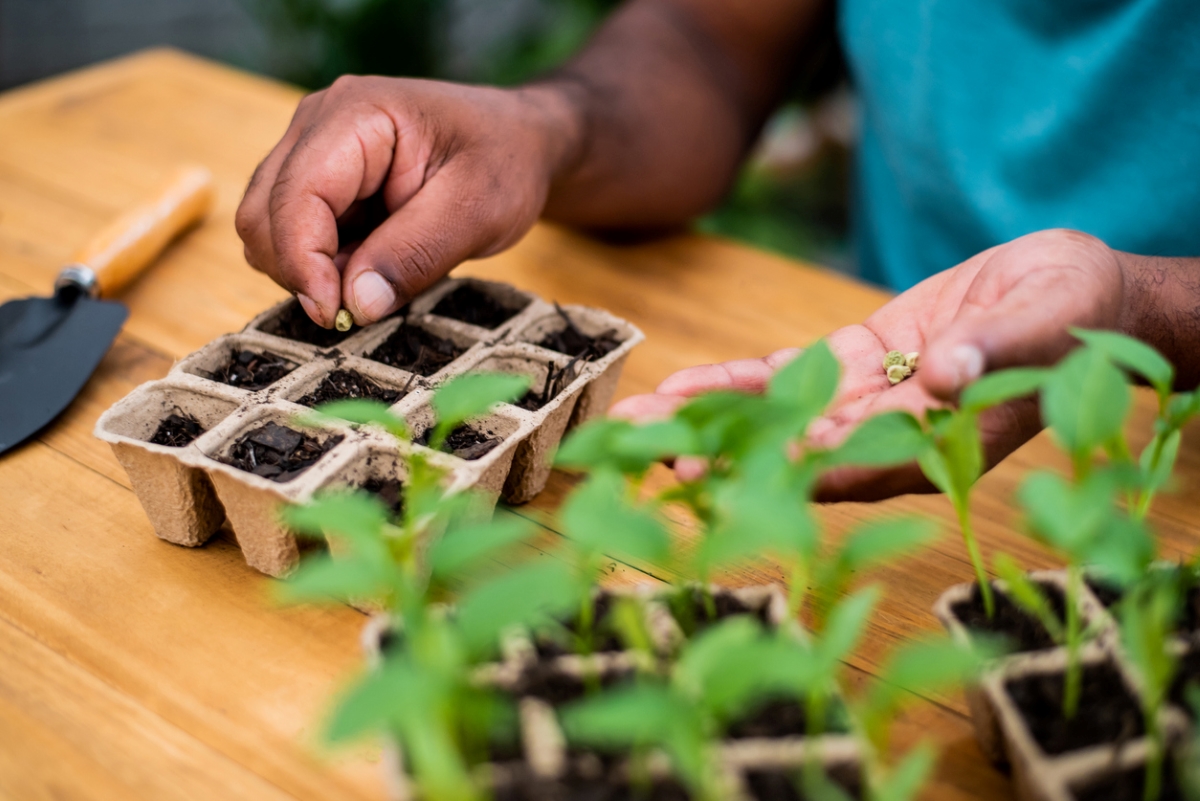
252	370
464	442
788	785
552	643
1189	615
346	384
1023	631
575	787
389	491
691	612
573	342
469	304
557	379
1107	713
785	717
278	452
546	682
1128	785
294	323
177	430
416	350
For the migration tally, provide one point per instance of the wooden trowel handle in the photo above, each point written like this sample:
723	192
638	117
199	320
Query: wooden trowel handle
132	242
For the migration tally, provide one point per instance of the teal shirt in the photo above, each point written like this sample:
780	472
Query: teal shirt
983	120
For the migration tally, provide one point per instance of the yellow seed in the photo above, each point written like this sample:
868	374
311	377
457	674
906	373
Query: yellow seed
897	373
893	358
910	360
343	321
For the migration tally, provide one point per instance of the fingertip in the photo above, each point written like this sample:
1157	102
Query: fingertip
690	468
312	309
646	408
691	380
947	370
371	297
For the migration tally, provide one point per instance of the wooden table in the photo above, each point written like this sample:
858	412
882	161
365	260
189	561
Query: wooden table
133	668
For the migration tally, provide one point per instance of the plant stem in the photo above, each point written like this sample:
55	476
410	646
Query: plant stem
1154	759
798	588
968	535
1074	677
1146	496
815	713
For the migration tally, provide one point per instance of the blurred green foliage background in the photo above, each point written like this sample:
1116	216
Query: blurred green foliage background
791	196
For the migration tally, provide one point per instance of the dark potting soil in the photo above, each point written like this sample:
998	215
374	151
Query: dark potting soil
278	452
544	681
557	379
573	342
1105	593
469	304
251	370
1128	785
575	787
1189	615
294	323
1187	673
464	442
389	491
345	384
552	644
787	785
177	431
781	717
1107	712
691	613
416	350
1023	631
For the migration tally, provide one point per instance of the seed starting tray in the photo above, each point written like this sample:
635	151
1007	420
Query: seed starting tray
189	491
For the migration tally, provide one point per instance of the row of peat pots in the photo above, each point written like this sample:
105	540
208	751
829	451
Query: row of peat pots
218	438
760	755
1100	751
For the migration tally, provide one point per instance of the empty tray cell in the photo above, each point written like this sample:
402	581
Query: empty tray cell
290	321
348	379
147	430
420	348
481	303
578	332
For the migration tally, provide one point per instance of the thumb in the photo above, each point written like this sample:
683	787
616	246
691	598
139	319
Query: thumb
1014	315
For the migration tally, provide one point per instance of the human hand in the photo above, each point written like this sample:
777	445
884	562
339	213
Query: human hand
381	185
1008	306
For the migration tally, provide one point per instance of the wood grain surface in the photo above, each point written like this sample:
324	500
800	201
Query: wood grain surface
131	668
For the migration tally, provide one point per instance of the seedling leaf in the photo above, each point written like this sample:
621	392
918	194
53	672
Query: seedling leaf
1132	354
1002	386
359	411
473	394
809	382
462	548
1084	401
890	438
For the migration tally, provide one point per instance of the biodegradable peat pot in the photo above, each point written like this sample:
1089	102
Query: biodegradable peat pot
766	602
178	499
1044	748
768	770
958	609
1121	778
252	502
280	362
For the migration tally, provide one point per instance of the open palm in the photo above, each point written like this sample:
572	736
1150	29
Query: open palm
1008	306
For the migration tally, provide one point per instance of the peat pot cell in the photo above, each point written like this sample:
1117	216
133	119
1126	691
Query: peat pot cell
170	416
293	322
570	339
786	717
787	784
474	305
1188	673
468	442
416	350
1022	631
1127	784
549	683
1107	712
388	491
693	614
1189	616
577	785
277	452
252	369
348	384
563	639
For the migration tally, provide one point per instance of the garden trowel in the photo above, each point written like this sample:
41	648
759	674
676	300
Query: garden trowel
49	347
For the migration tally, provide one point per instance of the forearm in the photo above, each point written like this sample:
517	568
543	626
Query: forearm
661	107
1162	308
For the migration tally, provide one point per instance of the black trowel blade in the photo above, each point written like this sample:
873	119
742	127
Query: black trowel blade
49	347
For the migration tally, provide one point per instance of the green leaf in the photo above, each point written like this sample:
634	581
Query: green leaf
904	782
721	420
1166	450
844	626
1084	401
881	541
355	515
396	690
1002	386
1132	354
522	596
323	578
809	382
1029	596
629	448
473	394
463	547
598	518
890	438
358	411
636	715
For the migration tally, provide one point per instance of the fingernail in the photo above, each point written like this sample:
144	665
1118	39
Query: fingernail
967	363
373	295
311	308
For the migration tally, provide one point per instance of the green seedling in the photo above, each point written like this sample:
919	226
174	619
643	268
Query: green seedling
1146	616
